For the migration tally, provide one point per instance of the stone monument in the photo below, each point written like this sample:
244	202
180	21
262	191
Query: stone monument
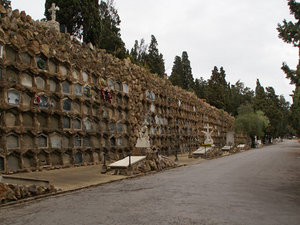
208	138
143	140
53	23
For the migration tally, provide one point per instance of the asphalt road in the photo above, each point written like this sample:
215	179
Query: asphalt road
259	186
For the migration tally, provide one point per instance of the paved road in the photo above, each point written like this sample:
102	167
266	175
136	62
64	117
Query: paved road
255	187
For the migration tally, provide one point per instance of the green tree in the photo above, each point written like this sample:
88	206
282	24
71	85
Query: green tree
154	59
238	95
218	89
250	122
91	21
188	80
289	32
176	77
138	53
200	88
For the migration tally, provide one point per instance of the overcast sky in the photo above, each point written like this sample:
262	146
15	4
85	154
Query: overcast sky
239	35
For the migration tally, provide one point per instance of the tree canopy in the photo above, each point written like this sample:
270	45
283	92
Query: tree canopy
289	32
91	21
250	122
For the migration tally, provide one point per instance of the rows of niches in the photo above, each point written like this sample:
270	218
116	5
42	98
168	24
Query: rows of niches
66	103
57	114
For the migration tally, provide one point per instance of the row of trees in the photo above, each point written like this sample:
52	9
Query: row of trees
99	23
92	21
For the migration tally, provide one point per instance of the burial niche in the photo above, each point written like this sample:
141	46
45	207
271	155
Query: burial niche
78	157
77	141
76	124
65	87
10	54
11	75
78	89
66	122
13	97
40	83
66	105
28	159
27	141
25	58
12	141
42	141
27	120
63	70
26	80
56	141
42	159
12	162
10	119
55	158
85	76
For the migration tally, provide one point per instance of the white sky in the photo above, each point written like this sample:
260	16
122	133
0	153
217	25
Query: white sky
239	35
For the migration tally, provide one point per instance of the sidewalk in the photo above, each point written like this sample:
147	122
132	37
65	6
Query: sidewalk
73	178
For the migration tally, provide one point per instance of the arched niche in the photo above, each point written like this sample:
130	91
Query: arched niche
11	54
77	141
63	69
10	119
13	162
78	157
118	86
87	124
56	141
13	97
85	76
52	66
76	107
66	122
110	84
65	141
65	87
67	158
95	142
27	120
76	74
96	156
11	75
76	124
42	141
26	79
54	122
86	142
42	159
40	83
125	88
77	89
25	58
41	62
28	159
55	158
26	100
88	157
53	85
12	141
66	105
27	142
42	121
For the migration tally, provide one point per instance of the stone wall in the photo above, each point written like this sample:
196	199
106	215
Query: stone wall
65	103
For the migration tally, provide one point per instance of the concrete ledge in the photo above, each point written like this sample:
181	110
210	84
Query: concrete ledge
24	181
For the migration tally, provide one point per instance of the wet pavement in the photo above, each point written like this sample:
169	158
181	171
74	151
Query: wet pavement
259	186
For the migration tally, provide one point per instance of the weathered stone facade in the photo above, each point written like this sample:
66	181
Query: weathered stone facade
64	102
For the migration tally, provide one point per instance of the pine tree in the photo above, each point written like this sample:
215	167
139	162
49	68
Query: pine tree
154	59
289	32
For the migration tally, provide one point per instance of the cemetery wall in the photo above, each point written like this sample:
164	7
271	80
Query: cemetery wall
66	103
